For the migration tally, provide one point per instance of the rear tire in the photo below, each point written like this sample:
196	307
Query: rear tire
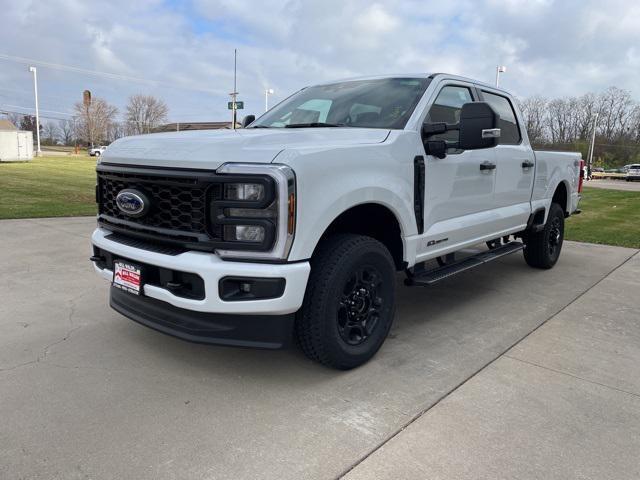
349	304
542	249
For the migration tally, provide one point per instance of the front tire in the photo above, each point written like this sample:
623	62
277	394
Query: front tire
542	249
349	303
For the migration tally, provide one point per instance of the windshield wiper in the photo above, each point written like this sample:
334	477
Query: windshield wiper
260	126
314	124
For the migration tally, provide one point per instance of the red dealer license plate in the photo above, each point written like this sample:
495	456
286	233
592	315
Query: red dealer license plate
127	277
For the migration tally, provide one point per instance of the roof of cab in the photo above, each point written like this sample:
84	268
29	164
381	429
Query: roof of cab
415	75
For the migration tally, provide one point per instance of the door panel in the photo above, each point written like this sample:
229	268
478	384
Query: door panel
456	189
514	182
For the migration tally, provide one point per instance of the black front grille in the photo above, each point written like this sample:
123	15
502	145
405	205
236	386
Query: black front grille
173	208
179	203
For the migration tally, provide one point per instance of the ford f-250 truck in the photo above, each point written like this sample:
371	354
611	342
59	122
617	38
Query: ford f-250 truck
295	226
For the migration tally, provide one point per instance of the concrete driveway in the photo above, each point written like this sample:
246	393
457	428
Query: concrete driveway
614	185
454	393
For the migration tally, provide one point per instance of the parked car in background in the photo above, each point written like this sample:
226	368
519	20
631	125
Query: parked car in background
633	173
97	151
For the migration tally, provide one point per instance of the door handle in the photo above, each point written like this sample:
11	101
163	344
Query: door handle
527	164
487	166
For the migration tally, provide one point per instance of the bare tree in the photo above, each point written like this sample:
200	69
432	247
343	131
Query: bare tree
559	120
14	118
616	111
50	131
534	110
588	106
563	121
145	112
66	131
94	120
116	130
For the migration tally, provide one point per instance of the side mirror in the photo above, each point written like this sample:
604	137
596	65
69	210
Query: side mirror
433	128
247	120
437	148
478	126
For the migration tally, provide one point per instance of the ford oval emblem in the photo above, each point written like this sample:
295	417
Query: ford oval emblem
132	202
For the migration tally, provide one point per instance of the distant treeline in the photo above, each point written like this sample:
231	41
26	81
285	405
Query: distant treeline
95	122
567	124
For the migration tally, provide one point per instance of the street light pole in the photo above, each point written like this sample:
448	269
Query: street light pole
267	92
234	94
35	90
499	69
593	144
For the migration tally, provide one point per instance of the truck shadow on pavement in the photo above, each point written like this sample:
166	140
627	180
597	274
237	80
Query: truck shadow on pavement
426	317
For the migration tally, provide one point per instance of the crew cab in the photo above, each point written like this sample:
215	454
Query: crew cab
296	225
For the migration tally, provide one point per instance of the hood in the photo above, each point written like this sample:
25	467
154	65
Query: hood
208	149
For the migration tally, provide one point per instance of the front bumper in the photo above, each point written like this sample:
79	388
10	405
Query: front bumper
255	331
211	269
263	323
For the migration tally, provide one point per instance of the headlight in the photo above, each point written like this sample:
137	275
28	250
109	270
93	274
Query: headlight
254	213
244	191
244	233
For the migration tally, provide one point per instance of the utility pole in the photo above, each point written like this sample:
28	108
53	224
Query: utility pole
499	69
234	94
35	90
593	144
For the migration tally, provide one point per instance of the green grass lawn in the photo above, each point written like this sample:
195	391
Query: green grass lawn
610	217
48	187
64	186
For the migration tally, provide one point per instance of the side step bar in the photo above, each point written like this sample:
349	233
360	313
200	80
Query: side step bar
429	277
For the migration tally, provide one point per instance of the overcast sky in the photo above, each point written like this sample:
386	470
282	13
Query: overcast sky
182	51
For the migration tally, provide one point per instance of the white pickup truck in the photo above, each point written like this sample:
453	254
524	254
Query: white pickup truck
97	151
295	226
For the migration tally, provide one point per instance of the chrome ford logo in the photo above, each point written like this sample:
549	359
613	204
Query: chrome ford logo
132	202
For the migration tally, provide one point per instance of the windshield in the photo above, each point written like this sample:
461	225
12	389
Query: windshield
379	103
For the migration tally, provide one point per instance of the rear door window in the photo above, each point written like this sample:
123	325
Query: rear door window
509	129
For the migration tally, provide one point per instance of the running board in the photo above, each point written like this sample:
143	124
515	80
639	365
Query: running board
429	277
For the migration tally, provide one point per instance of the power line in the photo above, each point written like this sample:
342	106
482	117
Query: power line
96	73
49	117
42	110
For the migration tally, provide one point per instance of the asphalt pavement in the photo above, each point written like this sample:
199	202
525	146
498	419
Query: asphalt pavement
501	372
614	185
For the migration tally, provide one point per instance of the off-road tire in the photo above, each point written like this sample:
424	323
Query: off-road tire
542	249
322	325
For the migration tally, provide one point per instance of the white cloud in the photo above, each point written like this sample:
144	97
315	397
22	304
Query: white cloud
551	47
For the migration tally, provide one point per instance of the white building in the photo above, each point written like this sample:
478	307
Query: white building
15	145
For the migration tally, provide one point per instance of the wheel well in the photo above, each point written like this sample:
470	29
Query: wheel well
373	220
560	196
